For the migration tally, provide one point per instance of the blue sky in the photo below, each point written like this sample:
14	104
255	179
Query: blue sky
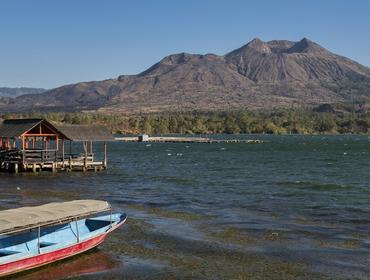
47	43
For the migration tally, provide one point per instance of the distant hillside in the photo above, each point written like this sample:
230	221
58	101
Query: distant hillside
258	75
14	92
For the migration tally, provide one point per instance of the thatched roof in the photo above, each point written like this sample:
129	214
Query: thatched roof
14	128
85	132
17	127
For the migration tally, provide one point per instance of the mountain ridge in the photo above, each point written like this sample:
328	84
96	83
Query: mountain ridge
277	73
18	91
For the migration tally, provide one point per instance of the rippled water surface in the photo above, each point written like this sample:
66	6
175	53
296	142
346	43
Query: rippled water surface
292	207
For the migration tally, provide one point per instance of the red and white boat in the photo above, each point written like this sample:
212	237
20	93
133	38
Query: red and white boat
31	237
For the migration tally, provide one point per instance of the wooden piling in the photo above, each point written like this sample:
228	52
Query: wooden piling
105	155
56	148
63	153
85	155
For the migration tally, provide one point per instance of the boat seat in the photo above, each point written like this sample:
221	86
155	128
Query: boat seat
4	253
44	244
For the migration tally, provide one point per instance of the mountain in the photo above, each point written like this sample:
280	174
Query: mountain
277	73
14	92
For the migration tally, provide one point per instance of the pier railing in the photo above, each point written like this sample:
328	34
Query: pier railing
12	156
30	156
34	160
41	156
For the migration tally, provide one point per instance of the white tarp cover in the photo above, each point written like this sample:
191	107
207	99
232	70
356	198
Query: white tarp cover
27	217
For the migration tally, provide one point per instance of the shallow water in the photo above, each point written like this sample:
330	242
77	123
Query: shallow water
292	207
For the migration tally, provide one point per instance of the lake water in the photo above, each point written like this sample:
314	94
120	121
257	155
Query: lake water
292	207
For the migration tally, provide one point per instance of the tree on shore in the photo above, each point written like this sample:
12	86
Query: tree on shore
279	121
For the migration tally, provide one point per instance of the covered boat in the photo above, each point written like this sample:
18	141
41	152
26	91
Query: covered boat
34	236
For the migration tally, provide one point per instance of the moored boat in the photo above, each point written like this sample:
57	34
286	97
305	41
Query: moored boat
35	236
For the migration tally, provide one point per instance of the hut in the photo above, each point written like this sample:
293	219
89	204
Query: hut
37	144
87	135
143	138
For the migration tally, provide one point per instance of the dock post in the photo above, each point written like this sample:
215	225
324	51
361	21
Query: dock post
56	149
23	143
63	152
23	157
16	168
85	155
34	167
105	155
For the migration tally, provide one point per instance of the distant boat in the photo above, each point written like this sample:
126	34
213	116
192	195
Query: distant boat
31	237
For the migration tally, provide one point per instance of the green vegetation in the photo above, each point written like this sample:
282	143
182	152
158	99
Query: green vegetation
279	121
346	244
237	236
233	235
185	216
196	259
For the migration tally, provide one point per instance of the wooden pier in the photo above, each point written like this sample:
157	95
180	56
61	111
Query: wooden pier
34	145
174	139
41	160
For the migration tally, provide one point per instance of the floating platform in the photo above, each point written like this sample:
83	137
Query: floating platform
174	139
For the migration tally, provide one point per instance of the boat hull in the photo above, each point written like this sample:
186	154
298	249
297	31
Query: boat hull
53	256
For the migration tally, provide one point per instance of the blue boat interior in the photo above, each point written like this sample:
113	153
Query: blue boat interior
26	244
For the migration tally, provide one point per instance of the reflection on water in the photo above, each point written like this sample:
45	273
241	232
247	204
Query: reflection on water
93	261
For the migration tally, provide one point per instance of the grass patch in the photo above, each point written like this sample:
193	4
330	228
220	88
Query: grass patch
346	244
323	243
233	235
237	236
180	215
193	259
350	244
308	222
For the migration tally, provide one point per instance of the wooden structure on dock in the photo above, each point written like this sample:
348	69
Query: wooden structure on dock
37	145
